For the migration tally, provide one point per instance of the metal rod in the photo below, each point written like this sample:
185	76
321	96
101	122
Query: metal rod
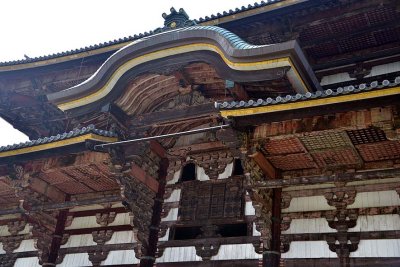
164	136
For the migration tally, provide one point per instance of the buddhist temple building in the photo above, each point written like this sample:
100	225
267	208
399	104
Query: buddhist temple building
267	135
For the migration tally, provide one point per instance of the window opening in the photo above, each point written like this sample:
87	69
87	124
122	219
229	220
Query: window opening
237	167
188	172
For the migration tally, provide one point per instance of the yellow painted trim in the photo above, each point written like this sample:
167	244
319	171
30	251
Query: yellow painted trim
310	103
61	143
243	66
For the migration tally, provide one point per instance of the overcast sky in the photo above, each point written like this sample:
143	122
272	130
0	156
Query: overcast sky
42	27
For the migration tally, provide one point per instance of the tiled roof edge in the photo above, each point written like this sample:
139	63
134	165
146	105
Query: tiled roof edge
236	11
58	137
351	89
134	37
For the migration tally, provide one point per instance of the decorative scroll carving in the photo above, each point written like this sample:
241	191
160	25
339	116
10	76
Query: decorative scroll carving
211	245
15	227
285	202
214	163
11	243
102	236
97	256
262	202
105	219
43	238
69	220
342	219
20	180
340	199
137	197
343	244
64	239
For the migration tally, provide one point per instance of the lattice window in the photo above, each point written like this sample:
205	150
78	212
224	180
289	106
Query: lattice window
212	200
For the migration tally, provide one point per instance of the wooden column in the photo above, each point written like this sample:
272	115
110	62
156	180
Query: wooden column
149	259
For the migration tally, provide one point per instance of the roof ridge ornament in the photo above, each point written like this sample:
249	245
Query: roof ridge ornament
175	19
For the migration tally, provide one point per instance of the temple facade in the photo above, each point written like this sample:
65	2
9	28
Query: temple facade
266	135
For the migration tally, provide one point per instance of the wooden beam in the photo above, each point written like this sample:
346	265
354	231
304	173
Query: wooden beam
325	236
240	92
166	116
268	169
343	177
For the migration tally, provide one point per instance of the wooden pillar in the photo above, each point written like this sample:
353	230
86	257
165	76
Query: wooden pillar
149	259
271	258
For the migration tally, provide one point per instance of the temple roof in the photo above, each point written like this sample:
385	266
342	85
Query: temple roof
123	41
329	96
59	140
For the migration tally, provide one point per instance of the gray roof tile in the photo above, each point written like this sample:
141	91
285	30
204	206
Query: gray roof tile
58	137
351	89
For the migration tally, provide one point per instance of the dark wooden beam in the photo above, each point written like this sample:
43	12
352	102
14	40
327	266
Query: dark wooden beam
176	115
268	169
82	231
325	236
334	262
343	177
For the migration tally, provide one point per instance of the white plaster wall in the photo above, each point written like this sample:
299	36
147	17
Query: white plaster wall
174	180
121	219
26	245
4	230
249	209
336	78
175	196
83	222
179	254
227	172
383	69
379	248
75	260
236	252
313	203
255	231
172	215
121	257
165	237
122	237
27	262
376	199
316	225
387	222
79	241
308	249
200	174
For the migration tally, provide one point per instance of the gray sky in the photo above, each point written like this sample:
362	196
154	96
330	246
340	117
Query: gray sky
43	27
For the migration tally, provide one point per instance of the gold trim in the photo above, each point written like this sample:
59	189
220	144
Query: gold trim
61	143
243	66
215	22
310	103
